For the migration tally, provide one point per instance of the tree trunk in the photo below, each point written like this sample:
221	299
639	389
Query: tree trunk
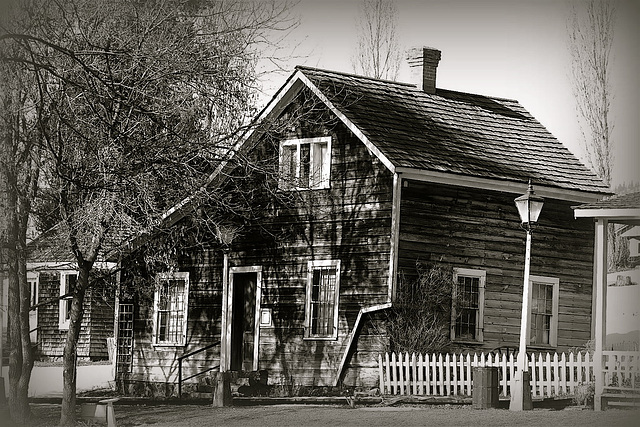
20	354
68	410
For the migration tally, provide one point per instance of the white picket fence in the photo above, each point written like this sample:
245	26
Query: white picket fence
451	374
621	370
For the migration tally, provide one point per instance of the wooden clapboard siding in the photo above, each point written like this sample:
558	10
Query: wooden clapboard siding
160	364
478	229
350	222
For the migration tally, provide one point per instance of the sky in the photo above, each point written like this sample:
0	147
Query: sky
515	49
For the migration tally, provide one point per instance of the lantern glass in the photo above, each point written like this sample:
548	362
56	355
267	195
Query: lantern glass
535	209
529	206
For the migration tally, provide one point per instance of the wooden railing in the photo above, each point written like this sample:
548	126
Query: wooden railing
187	355
621	370
451	374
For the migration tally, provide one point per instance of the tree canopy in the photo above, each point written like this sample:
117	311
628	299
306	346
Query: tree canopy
135	103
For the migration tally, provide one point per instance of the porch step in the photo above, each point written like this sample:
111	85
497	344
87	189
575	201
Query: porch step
616	399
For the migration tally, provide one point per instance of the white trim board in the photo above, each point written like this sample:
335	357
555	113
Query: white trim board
497	185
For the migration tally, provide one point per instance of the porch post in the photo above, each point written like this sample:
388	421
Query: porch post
601	308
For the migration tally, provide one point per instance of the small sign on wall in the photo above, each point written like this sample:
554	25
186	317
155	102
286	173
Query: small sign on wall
266	320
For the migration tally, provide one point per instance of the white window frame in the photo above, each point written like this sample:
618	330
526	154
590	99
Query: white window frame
482	276
33	279
311	267
182	339
553	327
64	311
314	183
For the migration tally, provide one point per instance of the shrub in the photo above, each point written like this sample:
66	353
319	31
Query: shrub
584	394
421	316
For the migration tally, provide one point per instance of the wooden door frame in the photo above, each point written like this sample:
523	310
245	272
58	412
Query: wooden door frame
227	311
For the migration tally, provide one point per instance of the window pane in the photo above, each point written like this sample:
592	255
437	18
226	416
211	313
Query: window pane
288	165
320	167
305	166
170	312
33	285
541	312
467	307
67	311
70	283
323	293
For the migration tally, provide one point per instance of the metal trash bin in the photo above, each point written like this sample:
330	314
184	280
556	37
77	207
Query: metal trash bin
485	388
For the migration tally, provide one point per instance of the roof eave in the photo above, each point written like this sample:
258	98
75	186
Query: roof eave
617	214
501	185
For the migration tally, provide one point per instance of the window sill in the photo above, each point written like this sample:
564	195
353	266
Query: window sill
467	342
303	189
541	347
168	345
332	338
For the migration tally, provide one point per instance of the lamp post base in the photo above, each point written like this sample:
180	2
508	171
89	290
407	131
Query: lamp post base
521	392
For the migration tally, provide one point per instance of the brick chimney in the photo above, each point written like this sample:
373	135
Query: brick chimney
423	62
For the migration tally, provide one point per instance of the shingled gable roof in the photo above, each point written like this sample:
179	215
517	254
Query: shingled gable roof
443	134
53	248
451	132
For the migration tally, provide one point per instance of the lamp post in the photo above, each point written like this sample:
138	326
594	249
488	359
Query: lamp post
529	207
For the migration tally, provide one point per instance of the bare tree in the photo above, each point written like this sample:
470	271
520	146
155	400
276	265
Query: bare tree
591	34
20	158
144	100
591	39
378	53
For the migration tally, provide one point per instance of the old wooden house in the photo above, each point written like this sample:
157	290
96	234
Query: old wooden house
385	175
52	273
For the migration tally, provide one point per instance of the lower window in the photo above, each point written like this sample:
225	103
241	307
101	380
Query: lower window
170	309
323	288
544	310
468	305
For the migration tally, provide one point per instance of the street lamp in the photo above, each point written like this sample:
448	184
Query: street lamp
529	207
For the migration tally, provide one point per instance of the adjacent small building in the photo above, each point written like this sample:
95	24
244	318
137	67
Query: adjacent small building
52	273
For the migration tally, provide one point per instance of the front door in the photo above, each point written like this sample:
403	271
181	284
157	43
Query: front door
244	289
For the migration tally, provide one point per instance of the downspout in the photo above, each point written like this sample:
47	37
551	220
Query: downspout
352	336
393	265
224	345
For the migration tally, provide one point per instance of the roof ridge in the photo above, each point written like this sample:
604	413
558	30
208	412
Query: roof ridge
343	73
404	84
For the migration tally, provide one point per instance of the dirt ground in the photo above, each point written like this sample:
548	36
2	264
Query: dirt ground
336	415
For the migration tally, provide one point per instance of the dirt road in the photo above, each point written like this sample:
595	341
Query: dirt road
334	415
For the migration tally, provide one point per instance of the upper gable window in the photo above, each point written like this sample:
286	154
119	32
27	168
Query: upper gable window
305	163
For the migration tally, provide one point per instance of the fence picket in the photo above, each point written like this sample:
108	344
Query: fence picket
503	368
394	372
434	375
414	374
561	374
454	364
